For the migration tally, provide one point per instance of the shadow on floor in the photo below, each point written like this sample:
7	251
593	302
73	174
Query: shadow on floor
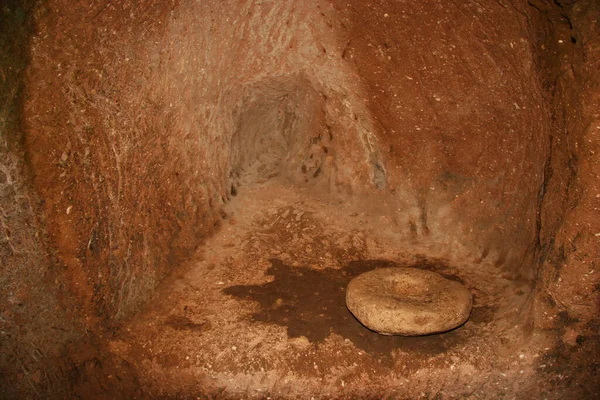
312	303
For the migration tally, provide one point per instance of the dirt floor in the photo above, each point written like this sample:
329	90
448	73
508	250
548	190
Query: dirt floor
260	313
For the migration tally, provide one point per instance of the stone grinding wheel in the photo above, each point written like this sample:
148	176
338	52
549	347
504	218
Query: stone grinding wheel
408	301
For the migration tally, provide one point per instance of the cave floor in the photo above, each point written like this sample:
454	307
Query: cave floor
260	312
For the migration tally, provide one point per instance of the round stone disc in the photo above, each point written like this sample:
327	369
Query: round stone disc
408	301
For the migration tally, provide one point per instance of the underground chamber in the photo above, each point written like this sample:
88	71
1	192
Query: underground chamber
188	188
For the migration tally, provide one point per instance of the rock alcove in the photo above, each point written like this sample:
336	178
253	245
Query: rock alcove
186	189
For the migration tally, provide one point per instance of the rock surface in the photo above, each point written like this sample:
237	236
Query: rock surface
469	131
408	301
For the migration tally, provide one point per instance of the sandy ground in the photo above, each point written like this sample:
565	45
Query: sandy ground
261	313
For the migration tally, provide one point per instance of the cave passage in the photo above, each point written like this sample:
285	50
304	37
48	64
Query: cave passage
187	187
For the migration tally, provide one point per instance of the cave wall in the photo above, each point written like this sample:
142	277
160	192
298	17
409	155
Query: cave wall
137	121
112	225
33	326
134	115
460	118
129	114
568	295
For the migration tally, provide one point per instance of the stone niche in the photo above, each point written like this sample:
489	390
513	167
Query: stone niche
268	145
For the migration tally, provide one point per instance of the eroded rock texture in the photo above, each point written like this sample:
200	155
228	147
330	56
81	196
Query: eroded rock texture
142	122
567	283
128	126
